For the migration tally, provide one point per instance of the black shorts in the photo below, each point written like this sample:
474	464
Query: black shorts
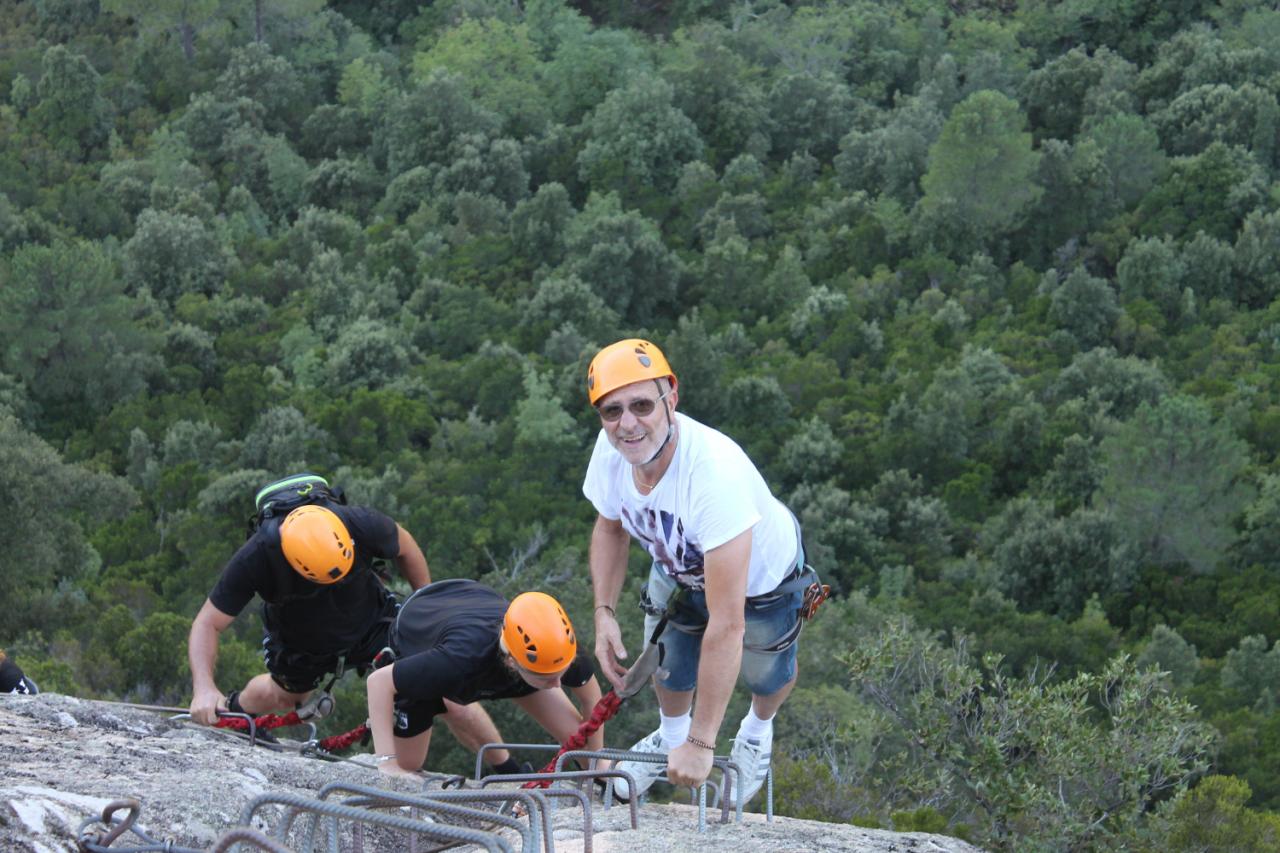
414	716
299	671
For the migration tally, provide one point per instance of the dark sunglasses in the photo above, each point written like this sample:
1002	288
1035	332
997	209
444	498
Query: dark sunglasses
641	408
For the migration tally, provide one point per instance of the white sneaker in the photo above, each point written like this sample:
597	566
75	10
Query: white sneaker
644	772
752	755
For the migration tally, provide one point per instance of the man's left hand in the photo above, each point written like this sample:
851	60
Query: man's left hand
689	765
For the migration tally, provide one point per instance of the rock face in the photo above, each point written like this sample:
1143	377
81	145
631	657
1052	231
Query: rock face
62	760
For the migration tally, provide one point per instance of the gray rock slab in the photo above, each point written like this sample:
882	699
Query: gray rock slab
63	759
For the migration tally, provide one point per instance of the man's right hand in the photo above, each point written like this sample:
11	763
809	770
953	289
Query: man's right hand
609	648
205	705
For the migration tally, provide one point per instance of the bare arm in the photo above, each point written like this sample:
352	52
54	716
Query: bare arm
587	696
609	544
202	653
726	590
411	562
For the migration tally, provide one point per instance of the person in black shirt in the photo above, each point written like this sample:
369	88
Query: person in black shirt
460	641
12	679
324	608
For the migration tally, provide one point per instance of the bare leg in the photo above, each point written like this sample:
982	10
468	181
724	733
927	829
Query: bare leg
263	696
558	717
411	752
553	711
673	703
473	727
766	706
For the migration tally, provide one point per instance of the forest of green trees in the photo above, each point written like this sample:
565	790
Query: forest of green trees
989	290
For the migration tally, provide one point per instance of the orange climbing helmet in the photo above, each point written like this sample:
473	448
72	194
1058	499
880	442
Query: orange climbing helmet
538	634
627	361
317	544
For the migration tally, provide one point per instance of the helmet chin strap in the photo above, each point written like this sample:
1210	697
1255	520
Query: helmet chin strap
671	431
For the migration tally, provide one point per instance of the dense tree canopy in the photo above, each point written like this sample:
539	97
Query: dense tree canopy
987	290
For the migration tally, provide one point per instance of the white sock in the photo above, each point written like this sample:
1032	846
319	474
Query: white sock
754	727
675	729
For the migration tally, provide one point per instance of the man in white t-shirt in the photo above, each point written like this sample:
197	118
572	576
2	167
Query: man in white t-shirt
691	497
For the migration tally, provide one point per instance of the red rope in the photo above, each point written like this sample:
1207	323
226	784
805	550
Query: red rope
271	721
600	714
266	721
343	741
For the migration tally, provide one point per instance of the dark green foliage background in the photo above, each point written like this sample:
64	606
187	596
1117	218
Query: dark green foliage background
988	290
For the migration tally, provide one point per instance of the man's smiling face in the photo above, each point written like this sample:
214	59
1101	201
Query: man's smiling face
637	437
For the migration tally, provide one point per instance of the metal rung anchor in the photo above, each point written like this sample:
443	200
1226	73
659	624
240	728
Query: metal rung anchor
441	832
372	797
724	764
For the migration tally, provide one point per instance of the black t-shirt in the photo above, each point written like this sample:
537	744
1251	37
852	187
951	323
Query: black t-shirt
315	617
11	678
446	644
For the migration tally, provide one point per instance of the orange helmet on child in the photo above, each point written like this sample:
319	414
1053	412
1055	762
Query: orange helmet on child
627	361
317	544
538	634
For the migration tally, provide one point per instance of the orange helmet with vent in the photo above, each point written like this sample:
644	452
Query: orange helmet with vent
538	634
317	544
627	361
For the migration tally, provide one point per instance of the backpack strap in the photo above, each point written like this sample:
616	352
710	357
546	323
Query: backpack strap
298	487
281	497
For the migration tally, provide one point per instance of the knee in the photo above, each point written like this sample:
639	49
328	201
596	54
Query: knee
265	691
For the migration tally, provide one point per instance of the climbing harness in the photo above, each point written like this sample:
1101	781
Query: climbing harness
686	618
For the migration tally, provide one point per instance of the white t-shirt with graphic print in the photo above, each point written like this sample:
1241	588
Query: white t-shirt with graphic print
710	493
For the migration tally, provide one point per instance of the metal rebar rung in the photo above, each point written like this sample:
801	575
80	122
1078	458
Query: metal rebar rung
375	797
101	843
541	747
583	799
534	801
569	776
440	832
649	758
245	835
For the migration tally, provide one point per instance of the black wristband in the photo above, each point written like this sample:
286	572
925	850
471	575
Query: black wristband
608	607
702	743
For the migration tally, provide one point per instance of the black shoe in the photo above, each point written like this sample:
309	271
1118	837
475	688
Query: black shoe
234	706
264	736
511	768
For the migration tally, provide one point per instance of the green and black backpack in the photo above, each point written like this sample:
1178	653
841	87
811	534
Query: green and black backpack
281	497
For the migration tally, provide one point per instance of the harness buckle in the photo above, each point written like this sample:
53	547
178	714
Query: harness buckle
319	706
814	595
